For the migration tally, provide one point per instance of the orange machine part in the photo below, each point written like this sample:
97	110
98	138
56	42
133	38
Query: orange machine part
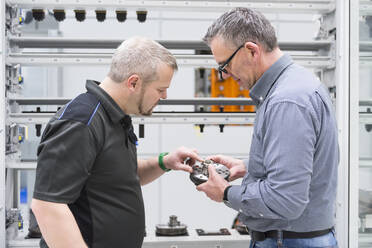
228	88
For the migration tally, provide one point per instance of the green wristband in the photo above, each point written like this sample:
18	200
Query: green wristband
161	163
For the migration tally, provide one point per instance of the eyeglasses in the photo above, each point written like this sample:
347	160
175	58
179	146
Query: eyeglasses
222	68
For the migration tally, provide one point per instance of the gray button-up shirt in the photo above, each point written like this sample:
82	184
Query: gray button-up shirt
291	175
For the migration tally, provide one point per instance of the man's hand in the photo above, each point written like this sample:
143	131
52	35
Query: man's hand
215	186
175	160
236	166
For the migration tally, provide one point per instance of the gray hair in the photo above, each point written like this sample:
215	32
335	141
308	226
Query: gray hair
141	56
240	25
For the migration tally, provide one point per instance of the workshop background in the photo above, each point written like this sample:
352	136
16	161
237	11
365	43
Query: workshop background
45	62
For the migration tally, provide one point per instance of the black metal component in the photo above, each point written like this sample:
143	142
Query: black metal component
59	14
221	127
121	15
222	231
141	131
201	126
38	14
101	15
80	14
368	126
38	129
141	15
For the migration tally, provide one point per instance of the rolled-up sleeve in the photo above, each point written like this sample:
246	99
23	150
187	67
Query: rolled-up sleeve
288	143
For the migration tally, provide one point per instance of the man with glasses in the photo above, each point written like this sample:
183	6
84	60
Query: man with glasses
287	196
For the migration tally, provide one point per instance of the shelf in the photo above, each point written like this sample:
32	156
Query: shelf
99	43
365	102
365	240
365	46
365	61
273	6
365	118
235	240
192	101
21	165
204	61
156	118
365	7
365	163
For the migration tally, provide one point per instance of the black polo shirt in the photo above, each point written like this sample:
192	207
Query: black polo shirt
87	159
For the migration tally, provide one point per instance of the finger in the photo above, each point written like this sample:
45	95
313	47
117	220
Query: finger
212	171
216	158
192	155
184	167
200	187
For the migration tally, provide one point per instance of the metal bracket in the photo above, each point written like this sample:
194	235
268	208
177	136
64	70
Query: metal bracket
13	20
327	26
15	134
13	78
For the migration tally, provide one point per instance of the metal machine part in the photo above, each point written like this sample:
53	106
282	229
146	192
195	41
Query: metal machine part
242	229
222	231
200	173
173	228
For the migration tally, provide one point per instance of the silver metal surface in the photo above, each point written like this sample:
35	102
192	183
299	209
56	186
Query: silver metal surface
235	240
82	43
365	7
193	101
173	228
3	51
156	118
200	172
205	61
298	6
365	46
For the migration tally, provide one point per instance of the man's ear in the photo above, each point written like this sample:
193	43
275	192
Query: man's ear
133	82
254	48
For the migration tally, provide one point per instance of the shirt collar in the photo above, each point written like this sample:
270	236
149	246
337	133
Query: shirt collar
261	88
113	110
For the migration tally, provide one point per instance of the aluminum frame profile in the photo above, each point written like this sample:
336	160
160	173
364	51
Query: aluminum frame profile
99	43
156	118
2	126
204	61
273	6
365	7
192	101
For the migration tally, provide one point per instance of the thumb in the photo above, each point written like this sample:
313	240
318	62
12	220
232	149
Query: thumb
212	171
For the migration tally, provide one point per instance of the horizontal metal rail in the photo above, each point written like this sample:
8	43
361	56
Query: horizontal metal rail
296	6
155	118
193	101
204	61
99	43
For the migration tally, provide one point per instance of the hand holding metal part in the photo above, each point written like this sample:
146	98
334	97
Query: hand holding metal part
200	172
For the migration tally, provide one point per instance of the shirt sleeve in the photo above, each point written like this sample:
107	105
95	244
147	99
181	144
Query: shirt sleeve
65	157
288	144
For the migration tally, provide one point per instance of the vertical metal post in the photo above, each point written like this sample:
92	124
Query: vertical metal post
342	113
354	124
2	125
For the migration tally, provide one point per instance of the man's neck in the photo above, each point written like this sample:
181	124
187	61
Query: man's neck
270	58
117	93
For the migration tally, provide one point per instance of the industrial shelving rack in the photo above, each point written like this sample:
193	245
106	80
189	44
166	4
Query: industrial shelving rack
329	56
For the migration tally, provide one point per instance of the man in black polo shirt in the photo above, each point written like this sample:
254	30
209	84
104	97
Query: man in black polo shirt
87	191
